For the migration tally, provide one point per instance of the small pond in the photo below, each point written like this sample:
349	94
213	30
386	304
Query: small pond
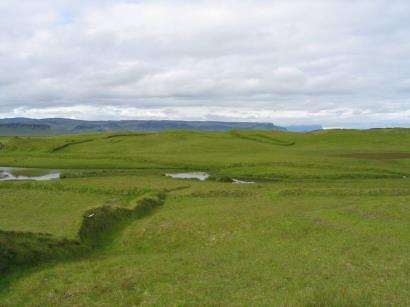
201	176
242	181
193	175
14	173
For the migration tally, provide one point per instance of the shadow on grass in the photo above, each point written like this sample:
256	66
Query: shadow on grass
21	252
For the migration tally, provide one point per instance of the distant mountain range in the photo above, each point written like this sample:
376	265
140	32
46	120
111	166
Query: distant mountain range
303	128
52	126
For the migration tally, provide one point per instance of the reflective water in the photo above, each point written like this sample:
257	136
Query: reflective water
192	175
10	173
241	181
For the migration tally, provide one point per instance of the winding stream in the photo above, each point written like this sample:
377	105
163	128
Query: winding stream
12	174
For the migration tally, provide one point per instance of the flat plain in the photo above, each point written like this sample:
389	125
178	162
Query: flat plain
325	223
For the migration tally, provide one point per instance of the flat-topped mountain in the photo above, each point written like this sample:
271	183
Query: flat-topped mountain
29	126
50	126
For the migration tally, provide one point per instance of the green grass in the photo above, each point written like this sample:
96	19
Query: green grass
326	224
98	228
36	210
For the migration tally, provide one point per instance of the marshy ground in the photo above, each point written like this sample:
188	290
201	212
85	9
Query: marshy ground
326	222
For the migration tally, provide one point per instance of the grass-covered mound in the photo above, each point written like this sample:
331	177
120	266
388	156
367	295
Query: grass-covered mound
27	249
98	224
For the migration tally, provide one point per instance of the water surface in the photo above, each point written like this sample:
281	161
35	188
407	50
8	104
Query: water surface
242	181
192	175
13	173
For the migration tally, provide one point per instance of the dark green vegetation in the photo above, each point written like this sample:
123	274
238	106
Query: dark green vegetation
326	224
97	227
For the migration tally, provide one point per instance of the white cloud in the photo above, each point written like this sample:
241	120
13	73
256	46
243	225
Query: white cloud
336	117
261	58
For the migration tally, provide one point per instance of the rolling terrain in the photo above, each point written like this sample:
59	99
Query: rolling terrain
325	223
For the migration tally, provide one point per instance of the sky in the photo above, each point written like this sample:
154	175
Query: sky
336	63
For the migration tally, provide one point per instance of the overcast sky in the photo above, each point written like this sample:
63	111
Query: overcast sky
338	63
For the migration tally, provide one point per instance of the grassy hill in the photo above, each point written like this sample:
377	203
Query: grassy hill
326	222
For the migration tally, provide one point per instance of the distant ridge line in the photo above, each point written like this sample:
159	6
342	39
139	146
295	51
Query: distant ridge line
53	126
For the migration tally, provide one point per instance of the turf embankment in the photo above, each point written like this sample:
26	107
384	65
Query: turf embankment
98	226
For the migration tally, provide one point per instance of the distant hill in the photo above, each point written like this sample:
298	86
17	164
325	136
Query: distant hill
12	128
50	126
304	128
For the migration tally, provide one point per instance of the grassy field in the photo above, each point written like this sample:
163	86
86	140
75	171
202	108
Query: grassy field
325	224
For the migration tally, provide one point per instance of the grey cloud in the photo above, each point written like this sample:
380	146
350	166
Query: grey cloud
277	56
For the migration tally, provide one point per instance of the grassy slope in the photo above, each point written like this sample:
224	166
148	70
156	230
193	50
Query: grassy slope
329	229
36	210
